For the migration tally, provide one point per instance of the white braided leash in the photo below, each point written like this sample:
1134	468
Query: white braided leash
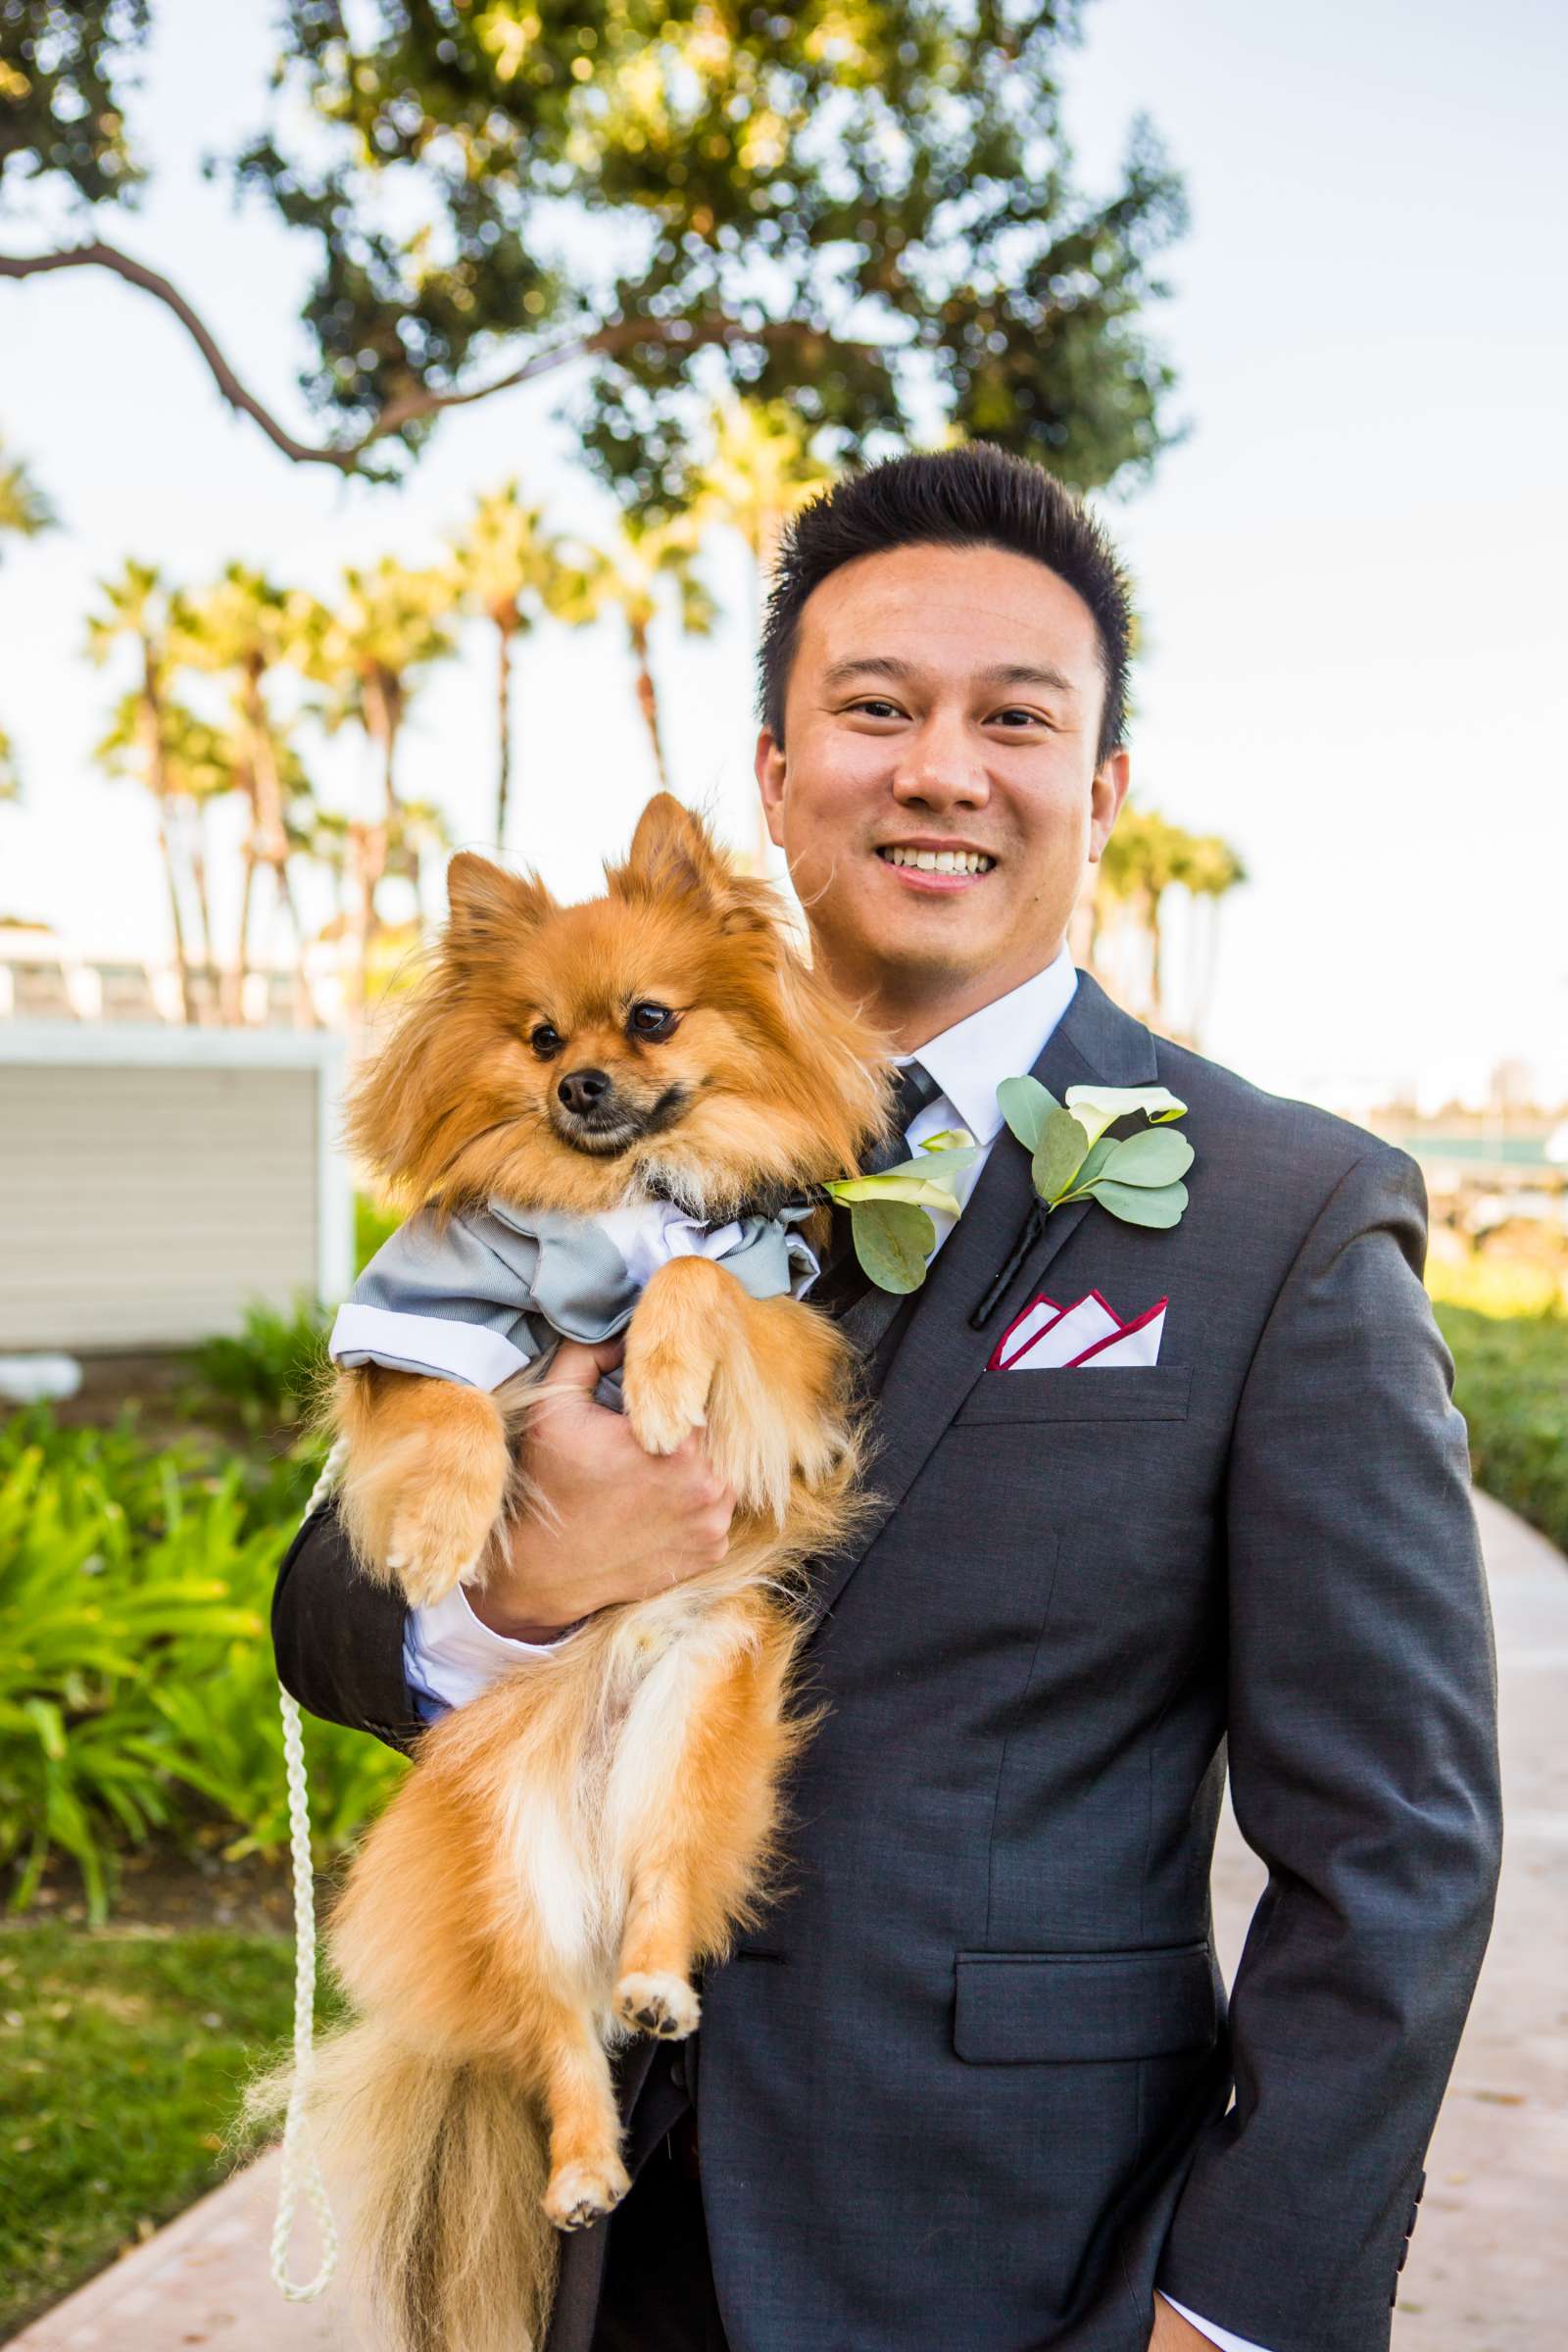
300	2168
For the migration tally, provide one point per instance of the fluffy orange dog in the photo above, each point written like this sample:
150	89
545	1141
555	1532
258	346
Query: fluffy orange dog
573	1843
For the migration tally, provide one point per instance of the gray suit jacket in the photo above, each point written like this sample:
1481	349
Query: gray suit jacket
971	2083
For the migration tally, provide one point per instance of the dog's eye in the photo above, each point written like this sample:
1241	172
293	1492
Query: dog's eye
546	1042
651	1021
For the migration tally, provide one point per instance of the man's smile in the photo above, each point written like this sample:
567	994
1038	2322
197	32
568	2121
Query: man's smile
935	866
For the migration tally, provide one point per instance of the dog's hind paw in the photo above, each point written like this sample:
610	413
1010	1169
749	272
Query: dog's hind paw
664	2006
580	2194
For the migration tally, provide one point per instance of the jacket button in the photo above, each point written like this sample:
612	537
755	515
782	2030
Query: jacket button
1410	2224
1403	2252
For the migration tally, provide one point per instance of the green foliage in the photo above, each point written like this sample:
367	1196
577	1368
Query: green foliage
893	1239
121	2058
137	1693
828	209
373	1225
1511	1384
61	73
272	1373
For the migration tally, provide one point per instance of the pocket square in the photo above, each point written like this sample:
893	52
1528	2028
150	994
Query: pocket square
1089	1335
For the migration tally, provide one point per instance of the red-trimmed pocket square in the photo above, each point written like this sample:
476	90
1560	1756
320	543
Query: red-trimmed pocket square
1088	1337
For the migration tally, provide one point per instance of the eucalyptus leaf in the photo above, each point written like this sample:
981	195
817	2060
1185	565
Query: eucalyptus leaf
1026	1105
1099	1154
930	1166
1154	1156
892	1240
1136	1206
1060	1154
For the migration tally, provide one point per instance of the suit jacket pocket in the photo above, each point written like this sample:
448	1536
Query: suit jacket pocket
1130	1393
1061	2008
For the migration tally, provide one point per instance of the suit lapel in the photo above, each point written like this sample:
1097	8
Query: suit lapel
939	1355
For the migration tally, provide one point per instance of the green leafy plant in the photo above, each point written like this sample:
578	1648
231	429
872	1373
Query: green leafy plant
1511	1385
892	1233
272	1371
1073	1157
137	1694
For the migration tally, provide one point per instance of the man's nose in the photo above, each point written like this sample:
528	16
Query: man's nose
939	768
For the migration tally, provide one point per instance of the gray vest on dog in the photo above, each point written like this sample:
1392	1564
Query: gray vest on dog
477	1295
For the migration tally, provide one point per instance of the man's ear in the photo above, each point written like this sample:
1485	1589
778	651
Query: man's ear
490	909
1108	793
770	767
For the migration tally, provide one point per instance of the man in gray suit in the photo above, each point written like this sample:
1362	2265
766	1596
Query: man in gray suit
1149	1500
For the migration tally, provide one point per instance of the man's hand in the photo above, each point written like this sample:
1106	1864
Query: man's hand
1173	2333
613	1523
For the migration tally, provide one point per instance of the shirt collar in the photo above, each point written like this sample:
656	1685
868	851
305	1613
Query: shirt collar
1003	1039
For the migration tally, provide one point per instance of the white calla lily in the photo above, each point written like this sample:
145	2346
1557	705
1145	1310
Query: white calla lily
1097	1108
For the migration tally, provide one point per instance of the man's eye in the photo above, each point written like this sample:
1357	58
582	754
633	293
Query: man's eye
1033	717
875	706
651	1021
544	1041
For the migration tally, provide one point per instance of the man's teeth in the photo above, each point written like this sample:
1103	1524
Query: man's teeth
941	862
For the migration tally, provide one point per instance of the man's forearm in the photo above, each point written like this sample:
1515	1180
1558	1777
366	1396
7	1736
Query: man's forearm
337	1636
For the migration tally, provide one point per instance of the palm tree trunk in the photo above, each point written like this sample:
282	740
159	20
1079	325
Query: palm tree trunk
504	728
648	697
236	992
149	722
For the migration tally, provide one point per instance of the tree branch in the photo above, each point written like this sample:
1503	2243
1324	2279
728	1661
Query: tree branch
615	336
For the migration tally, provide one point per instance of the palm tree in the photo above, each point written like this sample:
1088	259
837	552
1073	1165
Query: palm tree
242	628
368	652
511	571
24	509
758	471
1146	856
152	736
636	577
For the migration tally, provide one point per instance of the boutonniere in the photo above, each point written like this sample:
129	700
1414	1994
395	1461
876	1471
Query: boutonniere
892	1233
1073	1157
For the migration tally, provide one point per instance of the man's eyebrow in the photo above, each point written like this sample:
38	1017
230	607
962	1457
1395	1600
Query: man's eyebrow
999	673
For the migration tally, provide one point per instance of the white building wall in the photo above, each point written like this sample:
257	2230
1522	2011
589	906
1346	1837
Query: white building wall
154	1183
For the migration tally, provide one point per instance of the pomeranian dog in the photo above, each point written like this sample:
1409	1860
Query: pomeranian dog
569	1088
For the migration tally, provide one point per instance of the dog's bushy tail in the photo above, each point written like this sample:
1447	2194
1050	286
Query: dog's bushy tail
436	2173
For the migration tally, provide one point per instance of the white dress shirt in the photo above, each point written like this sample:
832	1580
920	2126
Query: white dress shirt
449	1656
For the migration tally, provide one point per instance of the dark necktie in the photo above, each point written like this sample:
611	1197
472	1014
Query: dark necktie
914	1086
843	1280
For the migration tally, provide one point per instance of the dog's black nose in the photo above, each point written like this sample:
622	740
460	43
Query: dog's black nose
583	1091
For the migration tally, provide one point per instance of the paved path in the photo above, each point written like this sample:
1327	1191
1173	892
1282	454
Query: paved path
1489	2263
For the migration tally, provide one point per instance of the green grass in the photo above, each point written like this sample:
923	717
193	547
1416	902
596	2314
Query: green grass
1511	1384
122	2059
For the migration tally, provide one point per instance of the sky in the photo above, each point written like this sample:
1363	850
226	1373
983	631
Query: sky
1351	569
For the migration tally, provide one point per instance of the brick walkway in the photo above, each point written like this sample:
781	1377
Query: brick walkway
1488	2264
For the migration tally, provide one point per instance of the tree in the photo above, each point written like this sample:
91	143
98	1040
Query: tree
154	737
757	471
510	570
369	651
634	578
1146	856
844	208
242	628
25	511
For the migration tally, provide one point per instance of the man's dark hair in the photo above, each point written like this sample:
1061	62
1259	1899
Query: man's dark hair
976	496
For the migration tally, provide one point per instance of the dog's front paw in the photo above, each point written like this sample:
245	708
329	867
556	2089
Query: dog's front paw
665	1398
580	2194
438	1539
663	2005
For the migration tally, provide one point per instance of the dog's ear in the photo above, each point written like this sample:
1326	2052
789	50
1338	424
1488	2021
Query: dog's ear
672	853
490	909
